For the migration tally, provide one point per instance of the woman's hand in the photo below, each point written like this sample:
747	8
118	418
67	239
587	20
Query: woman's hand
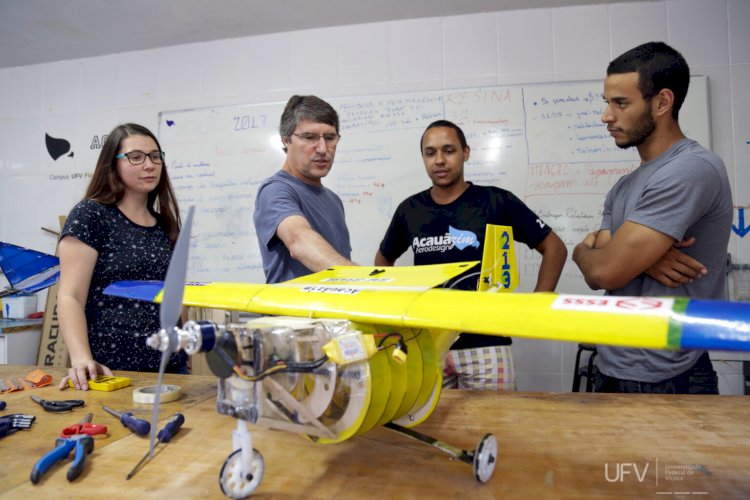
80	373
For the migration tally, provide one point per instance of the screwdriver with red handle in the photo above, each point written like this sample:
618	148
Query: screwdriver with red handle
164	436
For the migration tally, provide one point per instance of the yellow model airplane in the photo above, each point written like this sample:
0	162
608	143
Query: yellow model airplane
339	352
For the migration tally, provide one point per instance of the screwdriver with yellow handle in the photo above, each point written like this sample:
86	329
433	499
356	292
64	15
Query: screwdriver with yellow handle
164	436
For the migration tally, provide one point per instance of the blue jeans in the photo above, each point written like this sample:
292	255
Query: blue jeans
700	379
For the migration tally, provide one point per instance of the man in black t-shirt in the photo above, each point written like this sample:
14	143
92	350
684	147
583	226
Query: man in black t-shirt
446	223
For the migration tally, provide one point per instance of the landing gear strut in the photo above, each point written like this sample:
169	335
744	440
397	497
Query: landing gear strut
482	459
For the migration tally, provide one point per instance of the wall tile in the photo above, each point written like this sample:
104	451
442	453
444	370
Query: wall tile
179	74
93	127
731	385
739	97
416	51
364	55
731	379
471	50
537	355
741	196
712	46
525	44
721	107
316	57
20	206
540	382
269	60
739	34
138	78
632	24
62	87
25	143
4	91
26	90
224	70
100	82
525	78
581	39
142	115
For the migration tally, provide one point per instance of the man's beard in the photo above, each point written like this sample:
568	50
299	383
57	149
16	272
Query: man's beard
640	132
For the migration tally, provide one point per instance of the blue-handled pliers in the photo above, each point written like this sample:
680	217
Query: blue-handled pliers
82	443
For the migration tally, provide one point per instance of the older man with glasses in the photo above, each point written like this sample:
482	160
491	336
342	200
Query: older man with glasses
299	222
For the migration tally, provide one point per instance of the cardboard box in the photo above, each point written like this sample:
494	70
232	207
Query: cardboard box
18	306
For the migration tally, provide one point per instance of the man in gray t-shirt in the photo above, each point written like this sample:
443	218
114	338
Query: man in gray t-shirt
300	223
665	226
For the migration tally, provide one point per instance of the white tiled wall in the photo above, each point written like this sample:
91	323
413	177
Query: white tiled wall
82	98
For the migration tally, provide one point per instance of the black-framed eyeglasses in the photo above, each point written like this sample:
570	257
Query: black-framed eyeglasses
137	157
330	138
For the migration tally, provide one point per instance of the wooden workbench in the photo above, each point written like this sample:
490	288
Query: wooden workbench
571	445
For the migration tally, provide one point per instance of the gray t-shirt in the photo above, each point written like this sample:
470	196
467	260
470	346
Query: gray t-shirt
683	193
281	196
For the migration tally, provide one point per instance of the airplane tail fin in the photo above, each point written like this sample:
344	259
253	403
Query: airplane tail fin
499	270
27	270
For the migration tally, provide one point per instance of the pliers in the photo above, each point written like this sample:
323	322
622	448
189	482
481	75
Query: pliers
85	427
83	445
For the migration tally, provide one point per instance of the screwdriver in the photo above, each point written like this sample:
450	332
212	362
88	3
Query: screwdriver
137	425
165	435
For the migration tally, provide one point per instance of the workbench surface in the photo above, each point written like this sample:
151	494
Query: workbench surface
573	445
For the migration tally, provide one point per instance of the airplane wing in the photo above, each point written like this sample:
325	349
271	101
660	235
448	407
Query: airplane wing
301	294
407	297
27	270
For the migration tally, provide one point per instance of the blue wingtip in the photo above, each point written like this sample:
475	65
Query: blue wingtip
703	331
139	290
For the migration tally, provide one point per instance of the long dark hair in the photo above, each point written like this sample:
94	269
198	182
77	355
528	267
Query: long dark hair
107	188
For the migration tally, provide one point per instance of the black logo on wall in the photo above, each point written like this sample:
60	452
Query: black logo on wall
57	147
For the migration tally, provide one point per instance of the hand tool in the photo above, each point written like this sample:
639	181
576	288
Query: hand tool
106	383
83	445
137	425
85	427
2	405
13	422
56	406
169	430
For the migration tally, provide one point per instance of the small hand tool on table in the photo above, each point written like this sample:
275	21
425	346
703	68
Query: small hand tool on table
137	425
13	422
63	446
85	427
169	430
57	406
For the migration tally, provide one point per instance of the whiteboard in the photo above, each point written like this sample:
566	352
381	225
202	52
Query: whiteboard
544	142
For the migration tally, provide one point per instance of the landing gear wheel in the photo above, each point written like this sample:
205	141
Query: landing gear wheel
232	483
485	458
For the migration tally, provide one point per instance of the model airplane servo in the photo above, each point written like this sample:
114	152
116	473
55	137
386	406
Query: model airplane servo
336	353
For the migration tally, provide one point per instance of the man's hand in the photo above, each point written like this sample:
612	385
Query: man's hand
590	239
675	268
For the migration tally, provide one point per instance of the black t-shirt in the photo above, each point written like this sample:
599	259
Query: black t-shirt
455	232
118	327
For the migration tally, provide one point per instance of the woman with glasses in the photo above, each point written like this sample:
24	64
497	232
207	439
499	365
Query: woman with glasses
123	229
